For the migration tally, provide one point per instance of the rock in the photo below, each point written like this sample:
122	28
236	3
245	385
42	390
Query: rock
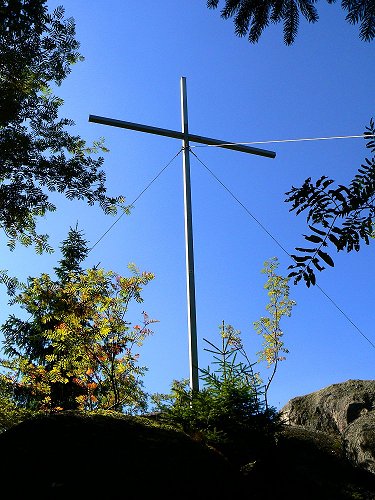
333	408
311	465
114	457
359	441
344	409
69	456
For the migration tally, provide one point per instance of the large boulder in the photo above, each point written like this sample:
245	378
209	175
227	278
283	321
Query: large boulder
311	465
359	441
344	409
98	457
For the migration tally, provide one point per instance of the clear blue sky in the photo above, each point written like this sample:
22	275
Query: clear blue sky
322	86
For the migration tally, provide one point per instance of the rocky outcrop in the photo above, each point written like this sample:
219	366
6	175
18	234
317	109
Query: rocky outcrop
73	456
91	456
345	409
359	441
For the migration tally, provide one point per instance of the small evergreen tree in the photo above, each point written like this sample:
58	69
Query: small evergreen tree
77	350
228	413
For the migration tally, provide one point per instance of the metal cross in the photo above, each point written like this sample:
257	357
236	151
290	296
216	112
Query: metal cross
186	139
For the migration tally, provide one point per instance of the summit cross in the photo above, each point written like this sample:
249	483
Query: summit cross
186	138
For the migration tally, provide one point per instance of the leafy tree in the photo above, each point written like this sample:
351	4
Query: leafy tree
10	413
251	17
77	350
342	216
38	154
279	306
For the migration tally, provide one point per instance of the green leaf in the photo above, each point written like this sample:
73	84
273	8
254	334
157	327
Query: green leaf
313	238
306	277
298	258
327	259
312	277
319	181
334	240
308	250
318	231
317	265
327	183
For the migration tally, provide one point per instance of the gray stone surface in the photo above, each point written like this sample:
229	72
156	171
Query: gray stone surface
346	409
359	441
333	408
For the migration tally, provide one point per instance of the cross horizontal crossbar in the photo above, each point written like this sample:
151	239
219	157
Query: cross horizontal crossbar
180	135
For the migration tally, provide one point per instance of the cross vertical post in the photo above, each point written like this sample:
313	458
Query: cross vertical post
192	320
186	138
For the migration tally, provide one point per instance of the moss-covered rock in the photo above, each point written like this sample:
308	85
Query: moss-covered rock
346	410
98	456
68	456
359	441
